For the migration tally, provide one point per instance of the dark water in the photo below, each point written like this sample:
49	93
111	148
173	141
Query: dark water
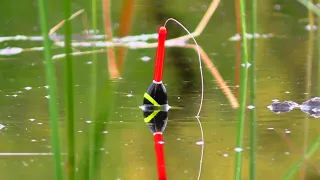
128	151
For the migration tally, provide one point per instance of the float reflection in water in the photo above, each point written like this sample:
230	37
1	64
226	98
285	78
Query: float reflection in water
311	107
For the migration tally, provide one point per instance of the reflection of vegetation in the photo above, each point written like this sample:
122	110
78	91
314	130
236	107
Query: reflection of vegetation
307	151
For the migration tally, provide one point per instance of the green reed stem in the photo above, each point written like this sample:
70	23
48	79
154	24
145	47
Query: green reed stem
93	133
242	94
310	6
69	85
253	113
318	43
50	78
310	50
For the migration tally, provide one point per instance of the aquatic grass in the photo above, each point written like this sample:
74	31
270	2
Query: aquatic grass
92	135
313	148
238	54
253	112
50	78
310	49
69	92
318	46
310	6
307	152
242	95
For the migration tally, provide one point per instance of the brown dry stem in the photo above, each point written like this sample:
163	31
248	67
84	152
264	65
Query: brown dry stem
112	67
222	84
60	24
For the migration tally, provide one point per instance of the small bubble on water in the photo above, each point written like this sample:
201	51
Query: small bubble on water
2	126
39	123
129	95
250	107
270	128
89	62
277	7
246	65
33	140
88	122
161	142
178	139
309	27
25	164
225	155
105	132
287	92
237	149
28	88
14	95
145	58
47	96
199	143
287	153
32	119
287	131
47	87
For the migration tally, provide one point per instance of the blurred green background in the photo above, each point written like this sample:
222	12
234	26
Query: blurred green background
128	152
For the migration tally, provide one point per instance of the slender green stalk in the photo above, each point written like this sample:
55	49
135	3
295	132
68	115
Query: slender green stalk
93	127
50	78
253	113
310	6
69	85
318	43
296	166
310	49
242	94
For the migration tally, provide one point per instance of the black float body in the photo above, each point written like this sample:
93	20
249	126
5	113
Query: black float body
159	122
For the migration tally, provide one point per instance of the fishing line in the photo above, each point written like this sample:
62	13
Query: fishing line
202	88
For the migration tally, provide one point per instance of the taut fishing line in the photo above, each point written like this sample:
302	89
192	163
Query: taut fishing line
202	88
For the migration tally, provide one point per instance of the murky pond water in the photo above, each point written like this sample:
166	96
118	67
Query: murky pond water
282	69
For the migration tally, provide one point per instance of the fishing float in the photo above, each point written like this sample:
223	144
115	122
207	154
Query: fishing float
156	106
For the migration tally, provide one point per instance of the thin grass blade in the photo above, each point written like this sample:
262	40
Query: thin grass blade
242	95
50	78
318	46
69	92
310	6
293	170
253	112
93	133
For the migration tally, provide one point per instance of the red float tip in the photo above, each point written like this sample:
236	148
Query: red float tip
162	30
158	70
